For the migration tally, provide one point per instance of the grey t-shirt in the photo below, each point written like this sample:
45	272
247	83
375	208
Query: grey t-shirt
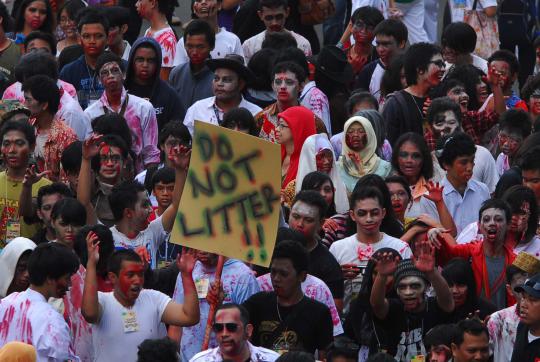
495	269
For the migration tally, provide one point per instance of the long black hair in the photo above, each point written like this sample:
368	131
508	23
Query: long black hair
48	24
418	141
313	181
515	196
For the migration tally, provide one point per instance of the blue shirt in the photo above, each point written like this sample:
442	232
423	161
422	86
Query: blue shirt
464	209
84	79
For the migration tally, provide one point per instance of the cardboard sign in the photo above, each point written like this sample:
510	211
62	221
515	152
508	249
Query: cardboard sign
231	200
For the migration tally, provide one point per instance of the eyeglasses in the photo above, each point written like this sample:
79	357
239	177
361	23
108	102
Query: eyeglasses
219	327
439	63
277	17
360	25
112	71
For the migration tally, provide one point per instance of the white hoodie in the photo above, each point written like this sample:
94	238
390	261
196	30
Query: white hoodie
9	257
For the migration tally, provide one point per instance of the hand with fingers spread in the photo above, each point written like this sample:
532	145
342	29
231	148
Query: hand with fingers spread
386	264
355	158
435	236
144	255
186	261
31	176
424	257
92	247
435	192
494	78
179	157
90	147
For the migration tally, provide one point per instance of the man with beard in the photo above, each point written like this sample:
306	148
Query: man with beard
273	13
489	257
407	318
527	346
233	330
27	317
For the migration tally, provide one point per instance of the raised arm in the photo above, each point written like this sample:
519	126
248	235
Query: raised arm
90	308
386	266
185	314
435	194
495	80
26	207
90	148
179	158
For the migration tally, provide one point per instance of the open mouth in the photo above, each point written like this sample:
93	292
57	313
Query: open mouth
492	234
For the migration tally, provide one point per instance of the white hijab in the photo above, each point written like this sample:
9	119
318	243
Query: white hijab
307	163
8	261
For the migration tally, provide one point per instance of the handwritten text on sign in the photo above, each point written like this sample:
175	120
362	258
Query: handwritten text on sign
230	203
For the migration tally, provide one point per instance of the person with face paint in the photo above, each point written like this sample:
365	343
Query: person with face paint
128	315
409	317
14	266
28	317
317	155
306	216
230	80
139	113
287	80
505	64
226	42
502	325
238	284
438	342
274	14
285	319
530	93
233	330
353	252
424	70
490	256
514	127
361	26
192	80
359	158
400	192
33	15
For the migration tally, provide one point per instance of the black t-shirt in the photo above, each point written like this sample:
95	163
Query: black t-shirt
525	351
404	331
402	113
324	266
306	326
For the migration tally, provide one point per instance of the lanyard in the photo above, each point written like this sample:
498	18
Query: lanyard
216	112
122	110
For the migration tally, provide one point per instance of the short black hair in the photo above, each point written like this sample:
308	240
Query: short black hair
116	15
48	23
47	37
200	27
163	350
359	97
92	15
512	271
443	334
532	84
458	271
51	189
273	4
470	326
515	196
106	246
175	129
23	127
7	21
72	157
440	105
113	123
397	179
285	233
51	260
118	256
241	118
278	41
44	90
244	313
505	56
124	196
391	79
112	140
108	57
294	55
312	198
295	252
496	204
420	142
72	8
261	64
451	147
394	28
290	66
531	159
70	210
362	193
36	63
516	121
446	85
69	54
164	175
459	36
368	14
417	58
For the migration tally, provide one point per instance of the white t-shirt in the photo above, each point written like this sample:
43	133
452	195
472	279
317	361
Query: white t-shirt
226	43
151	238
167	40
254	44
458	7
111	342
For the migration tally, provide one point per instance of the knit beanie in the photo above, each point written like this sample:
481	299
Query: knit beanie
405	269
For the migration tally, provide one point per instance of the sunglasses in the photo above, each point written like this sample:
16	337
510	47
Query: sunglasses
219	327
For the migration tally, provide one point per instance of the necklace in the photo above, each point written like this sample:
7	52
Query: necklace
277	306
416	104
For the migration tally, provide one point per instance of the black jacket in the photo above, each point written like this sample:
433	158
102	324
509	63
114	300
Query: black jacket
523	350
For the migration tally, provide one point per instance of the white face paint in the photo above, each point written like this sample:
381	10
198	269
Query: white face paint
286	87
410	291
493	225
305	218
445	124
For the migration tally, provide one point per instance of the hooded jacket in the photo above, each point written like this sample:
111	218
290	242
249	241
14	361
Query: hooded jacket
8	261
163	97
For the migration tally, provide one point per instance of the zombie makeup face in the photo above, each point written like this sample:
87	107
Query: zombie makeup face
61	286
458	95
327	191
305	218
324	160
435	71
35	14
231	343
47	203
410	291
509	142
206	9
445	124
399	196
15	150
142	210
226	85
93	39
493	225
274	18
410	160
368	215
520	219
362	32
145	64
356	137
111	76
449	54
286	86
65	233
503	69
131	280
111	164
197	48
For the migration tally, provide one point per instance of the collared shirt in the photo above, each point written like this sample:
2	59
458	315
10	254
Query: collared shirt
207	111
315	100
502	327
254	44
30	319
141	119
257	354
464	209
191	87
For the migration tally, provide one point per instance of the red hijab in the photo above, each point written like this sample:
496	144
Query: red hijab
301	122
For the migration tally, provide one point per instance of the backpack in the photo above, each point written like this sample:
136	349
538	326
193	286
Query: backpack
516	18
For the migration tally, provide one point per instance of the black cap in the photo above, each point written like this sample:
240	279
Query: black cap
531	286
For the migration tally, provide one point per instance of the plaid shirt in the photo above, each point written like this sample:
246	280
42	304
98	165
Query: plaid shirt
474	123
60	136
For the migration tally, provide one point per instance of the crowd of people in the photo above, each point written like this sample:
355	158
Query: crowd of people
410	181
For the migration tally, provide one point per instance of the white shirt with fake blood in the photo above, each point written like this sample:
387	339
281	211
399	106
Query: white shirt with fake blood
27	317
